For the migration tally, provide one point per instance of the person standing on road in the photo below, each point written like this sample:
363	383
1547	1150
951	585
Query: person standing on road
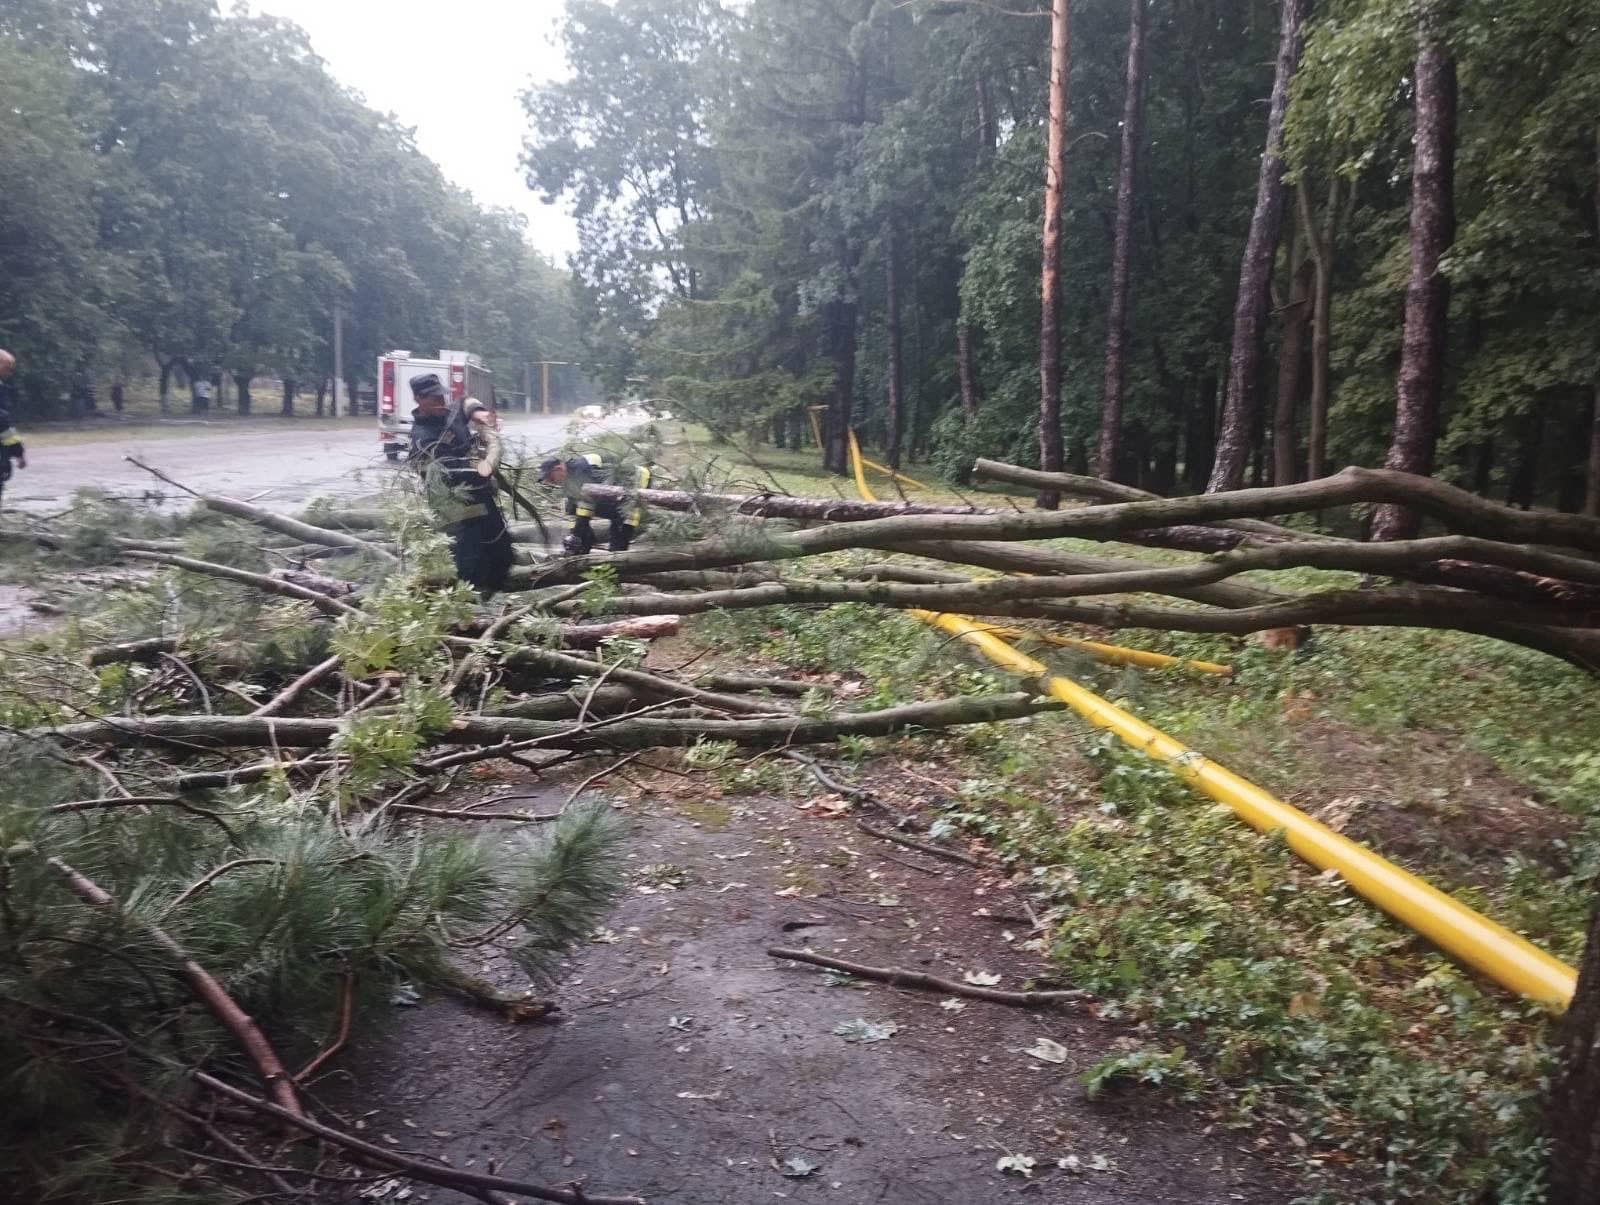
457	450
593	469
11	449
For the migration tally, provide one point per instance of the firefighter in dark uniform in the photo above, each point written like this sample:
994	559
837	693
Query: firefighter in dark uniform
11	449
595	469
457	450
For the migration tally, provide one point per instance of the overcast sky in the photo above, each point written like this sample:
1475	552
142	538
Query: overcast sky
468	120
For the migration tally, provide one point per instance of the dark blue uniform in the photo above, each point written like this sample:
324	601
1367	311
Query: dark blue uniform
445	448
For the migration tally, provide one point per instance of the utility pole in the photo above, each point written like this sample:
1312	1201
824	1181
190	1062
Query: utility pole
544	377
338	355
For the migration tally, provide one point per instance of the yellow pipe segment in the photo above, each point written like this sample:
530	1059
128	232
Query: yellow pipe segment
1112	654
1476	940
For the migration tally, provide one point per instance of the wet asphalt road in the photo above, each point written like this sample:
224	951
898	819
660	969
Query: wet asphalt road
281	470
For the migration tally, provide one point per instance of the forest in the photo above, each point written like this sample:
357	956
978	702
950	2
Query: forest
192	194
837	203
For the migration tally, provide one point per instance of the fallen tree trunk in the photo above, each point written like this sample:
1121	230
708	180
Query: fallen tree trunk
272	585
1445	502
1401	606
219	732
308	533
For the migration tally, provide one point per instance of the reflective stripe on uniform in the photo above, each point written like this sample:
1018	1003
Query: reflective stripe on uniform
636	516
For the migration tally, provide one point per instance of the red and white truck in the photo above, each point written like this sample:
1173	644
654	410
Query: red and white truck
464	375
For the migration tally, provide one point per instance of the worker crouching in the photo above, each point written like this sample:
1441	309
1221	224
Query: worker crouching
457	450
595	469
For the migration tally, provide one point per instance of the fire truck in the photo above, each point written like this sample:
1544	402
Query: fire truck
464	375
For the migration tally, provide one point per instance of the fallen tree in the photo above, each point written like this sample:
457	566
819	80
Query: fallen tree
326	659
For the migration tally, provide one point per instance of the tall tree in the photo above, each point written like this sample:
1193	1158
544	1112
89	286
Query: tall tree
1121	252
1242	399
1295	316
1433	227
895	414
1055	164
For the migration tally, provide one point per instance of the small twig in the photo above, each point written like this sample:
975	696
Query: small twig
115	801
183	667
896	977
293	691
346	1009
416	1169
154	472
934	851
521	817
211	877
598	775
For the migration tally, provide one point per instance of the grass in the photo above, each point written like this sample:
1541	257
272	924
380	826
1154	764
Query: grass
1379	1068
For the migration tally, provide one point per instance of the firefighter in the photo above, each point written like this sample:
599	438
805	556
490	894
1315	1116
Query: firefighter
595	469
11	448
457	449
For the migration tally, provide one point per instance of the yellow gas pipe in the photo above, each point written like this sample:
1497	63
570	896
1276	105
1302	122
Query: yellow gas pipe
1458	930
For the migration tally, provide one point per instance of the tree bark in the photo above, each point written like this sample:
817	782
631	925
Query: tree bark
1117	317
1573	1110
1319	242
1591	494
322	395
896	410
241	383
289	390
968	371
164	386
1285	444
842	347
1529	432
1200	435
1250	307
643	733
1050	447
1433	224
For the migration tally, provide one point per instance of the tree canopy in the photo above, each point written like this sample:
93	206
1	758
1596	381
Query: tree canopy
197	189
742	199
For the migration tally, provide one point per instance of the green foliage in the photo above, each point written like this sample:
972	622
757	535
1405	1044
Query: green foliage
280	907
401	627
1305	1007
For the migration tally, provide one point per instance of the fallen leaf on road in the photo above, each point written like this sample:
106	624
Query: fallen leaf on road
861	1030
980	978
1047	1051
952	1005
1018	1165
798	1168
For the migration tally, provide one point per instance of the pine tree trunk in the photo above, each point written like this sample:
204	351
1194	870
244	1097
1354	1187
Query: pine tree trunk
1433	224
1573	1108
968	371
1200	435
289	389
1321	247
1483	468
1255	271
164	387
1050	448
894	419
842	348
1591	494
1117	318
241	382
1529	434
1285	442
322	395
